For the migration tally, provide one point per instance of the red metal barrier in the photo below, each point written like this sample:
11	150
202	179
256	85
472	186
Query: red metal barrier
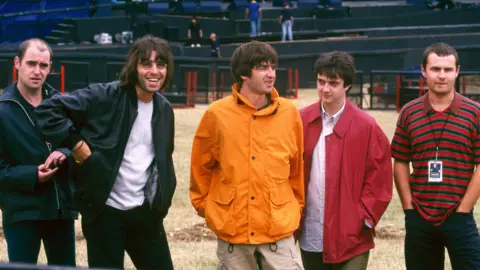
222	84
194	89
211	97
62	79
14	74
421	88
290	79
397	92
296	83
189	86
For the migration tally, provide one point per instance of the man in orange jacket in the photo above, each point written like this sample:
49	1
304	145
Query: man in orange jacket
247	167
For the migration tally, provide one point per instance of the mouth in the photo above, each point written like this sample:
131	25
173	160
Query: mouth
153	80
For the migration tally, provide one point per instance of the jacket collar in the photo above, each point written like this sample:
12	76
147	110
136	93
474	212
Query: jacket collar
12	92
344	121
270	109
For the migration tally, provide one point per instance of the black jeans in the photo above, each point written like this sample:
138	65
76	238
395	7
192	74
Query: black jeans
24	239
115	231
425	244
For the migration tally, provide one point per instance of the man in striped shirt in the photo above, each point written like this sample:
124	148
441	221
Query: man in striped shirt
439	133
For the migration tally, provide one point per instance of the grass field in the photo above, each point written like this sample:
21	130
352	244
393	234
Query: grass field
193	248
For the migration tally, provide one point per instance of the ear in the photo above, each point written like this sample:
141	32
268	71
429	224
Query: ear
423	71
458	71
17	62
244	78
50	67
347	87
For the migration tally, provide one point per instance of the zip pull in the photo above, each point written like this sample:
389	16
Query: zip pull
49	145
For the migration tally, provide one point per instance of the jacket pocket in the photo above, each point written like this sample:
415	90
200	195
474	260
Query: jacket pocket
220	209
354	222
284	210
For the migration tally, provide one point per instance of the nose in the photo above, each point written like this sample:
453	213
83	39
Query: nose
154	68
36	69
271	72
442	74
326	87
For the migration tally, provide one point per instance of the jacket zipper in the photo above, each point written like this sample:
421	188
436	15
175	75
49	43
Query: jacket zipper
48	147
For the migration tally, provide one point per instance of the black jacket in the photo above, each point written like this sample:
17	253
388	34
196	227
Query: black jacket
22	150
103	115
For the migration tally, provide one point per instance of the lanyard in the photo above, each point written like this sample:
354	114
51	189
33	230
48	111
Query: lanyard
437	142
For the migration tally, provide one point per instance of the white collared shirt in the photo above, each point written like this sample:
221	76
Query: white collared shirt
311	238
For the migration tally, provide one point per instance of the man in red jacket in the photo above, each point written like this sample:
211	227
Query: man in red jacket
348	172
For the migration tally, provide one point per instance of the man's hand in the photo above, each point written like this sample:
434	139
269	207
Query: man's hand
81	152
462	209
408	206
55	159
45	174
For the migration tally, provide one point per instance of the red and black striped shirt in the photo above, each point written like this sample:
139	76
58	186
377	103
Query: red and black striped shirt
419	129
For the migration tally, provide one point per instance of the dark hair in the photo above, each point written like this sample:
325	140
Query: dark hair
141	51
41	45
440	49
250	55
336	63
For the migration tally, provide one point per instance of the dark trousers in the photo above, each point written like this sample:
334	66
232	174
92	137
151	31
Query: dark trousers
425	244
24	239
314	261
115	231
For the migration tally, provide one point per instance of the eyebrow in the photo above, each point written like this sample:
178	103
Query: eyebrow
36	62
329	80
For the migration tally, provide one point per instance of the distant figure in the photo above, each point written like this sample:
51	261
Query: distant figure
440	4
286	20
93	8
195	32
177	6
215	45
253	13
232	6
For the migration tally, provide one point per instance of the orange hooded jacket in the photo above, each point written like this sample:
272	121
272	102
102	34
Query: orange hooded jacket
247	169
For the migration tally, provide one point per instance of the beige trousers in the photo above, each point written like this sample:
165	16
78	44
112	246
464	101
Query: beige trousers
281	255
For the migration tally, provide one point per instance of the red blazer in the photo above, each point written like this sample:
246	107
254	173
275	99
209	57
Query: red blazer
358	180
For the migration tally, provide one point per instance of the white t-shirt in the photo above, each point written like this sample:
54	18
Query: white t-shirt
135	169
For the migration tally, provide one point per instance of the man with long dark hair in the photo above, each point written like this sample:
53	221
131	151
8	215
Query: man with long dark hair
121	137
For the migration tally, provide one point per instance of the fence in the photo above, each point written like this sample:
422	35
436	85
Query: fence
391	89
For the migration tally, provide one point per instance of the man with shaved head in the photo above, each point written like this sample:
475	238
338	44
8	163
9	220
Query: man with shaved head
34	183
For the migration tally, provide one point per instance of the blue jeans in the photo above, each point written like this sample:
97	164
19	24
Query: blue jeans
254	27
24	238
425	244
287	28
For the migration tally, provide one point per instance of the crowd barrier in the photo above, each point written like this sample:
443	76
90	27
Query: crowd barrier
392	89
